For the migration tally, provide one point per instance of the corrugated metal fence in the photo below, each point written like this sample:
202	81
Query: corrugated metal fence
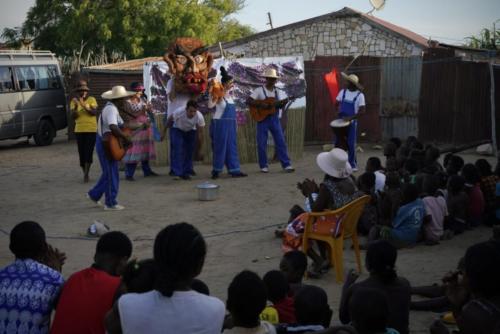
454	102
440	98
400	95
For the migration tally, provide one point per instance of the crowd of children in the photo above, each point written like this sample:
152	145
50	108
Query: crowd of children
162	295
415	198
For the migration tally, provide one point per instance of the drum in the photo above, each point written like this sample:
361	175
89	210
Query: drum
340	129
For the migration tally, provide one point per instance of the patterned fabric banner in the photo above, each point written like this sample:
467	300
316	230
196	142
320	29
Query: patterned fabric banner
247	74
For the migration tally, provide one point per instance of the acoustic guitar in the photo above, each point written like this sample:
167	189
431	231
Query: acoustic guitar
268	107
116	148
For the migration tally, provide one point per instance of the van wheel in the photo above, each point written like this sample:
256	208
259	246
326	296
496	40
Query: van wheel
45	133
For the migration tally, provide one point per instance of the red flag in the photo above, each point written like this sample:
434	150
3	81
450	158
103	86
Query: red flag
332	84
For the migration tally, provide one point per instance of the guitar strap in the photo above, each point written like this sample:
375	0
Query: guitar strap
275	93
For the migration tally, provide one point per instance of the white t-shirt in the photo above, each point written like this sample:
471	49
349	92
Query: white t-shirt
182	122
258	94
379	181
220	106
109	116
179	101
350	96
184	312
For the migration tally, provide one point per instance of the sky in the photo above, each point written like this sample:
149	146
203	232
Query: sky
448	21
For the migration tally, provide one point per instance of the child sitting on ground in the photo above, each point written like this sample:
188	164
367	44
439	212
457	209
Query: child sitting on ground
390	200
410	171
405	230
435	210
488	184
246	299
312	311
139	276
475	208
369	217
457	203
369	311
277	293
380	262
373	165
453	164
294	265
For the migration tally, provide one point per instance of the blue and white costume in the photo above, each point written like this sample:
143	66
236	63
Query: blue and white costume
183	141
270	124
109	181
350	102
223	134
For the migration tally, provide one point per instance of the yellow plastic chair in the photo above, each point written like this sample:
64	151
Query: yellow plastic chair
333	227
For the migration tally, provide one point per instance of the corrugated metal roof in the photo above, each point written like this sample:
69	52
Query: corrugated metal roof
129	65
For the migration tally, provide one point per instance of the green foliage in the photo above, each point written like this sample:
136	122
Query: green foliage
134	28
485	40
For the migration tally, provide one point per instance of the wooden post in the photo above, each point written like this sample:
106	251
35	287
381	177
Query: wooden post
221	50
493	116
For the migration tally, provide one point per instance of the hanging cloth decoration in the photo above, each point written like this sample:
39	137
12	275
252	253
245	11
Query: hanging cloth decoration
332	84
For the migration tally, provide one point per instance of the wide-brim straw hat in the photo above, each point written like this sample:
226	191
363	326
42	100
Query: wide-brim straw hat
334	163
353	78
117	92
270	73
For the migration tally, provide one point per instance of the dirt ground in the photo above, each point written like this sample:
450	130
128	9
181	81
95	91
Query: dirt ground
44	184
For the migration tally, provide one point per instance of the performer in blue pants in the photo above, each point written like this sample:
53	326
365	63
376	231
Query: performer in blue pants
351	103
259	99
109	123
186	126
223	128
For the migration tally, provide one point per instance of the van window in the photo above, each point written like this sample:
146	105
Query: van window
37	77
6	82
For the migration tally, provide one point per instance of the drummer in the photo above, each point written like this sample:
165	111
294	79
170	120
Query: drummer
350	103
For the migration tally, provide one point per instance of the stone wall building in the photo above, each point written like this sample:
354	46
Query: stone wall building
342	33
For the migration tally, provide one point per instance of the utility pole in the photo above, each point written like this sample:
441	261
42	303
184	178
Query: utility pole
270	22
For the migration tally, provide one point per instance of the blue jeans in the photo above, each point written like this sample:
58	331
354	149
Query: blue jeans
271	124
109	181
182	145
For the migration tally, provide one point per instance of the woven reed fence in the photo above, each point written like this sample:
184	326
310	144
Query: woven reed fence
247	145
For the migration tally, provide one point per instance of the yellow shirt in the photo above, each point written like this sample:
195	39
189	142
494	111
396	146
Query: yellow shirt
85	122
270	314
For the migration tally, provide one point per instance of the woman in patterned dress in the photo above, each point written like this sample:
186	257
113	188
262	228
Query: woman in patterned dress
142	149
337	190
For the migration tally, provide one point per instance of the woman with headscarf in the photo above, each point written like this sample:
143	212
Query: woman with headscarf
142	149
83	109
223	128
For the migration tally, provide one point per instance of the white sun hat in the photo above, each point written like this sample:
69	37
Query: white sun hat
270	73
117	92
352	78
334	163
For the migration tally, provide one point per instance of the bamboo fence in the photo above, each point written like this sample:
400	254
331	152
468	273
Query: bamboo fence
247	144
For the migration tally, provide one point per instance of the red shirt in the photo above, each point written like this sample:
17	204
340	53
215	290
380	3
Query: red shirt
85	299
286	311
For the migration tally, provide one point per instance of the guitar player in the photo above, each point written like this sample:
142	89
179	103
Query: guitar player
108	124
268	97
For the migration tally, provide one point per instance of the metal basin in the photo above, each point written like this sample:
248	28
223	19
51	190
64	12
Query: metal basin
208	191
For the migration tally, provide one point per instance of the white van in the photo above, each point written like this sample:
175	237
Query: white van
32	97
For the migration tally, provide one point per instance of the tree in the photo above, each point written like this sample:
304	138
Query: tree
487	39
133	28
